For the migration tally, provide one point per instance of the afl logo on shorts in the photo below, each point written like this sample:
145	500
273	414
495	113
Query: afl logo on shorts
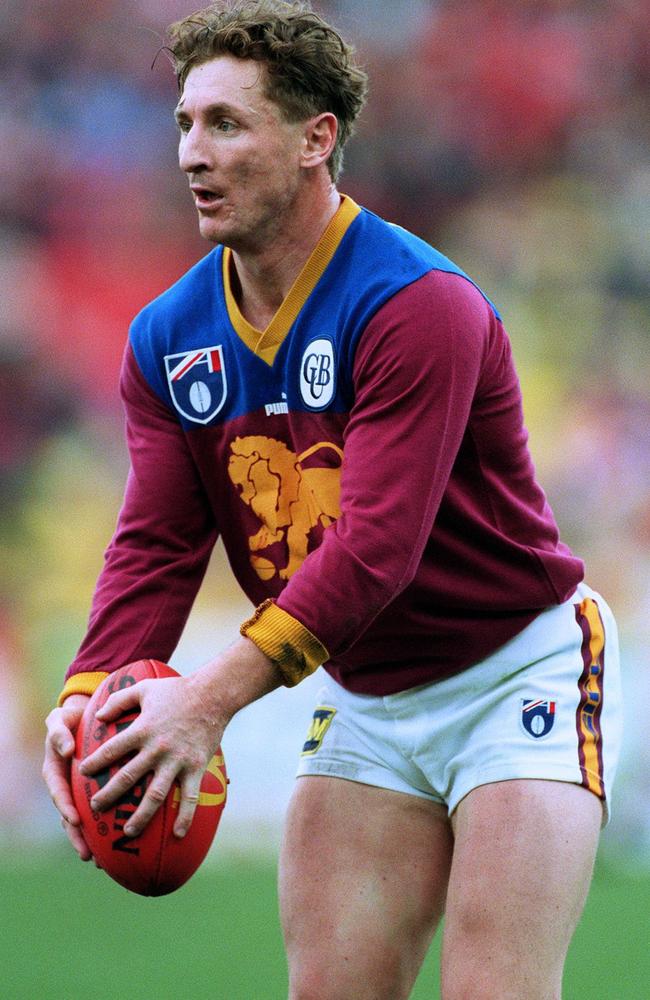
537	717
197	383
317	376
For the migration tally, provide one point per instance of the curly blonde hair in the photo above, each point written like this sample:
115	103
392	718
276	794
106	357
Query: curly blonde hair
309	68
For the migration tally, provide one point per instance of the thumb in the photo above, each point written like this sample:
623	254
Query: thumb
60	731
64	744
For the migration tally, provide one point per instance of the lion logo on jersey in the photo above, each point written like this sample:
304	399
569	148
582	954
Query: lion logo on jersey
287	498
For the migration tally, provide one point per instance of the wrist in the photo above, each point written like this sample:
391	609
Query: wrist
288	644
235	678
76	702
82	683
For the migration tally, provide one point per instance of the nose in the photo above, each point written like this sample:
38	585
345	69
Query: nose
193	156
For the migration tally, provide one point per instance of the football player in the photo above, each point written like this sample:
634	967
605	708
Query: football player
338	402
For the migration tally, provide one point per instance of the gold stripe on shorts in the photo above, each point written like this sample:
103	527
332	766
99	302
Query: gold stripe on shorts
590	702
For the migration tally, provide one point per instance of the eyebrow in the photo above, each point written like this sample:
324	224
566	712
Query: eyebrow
210	110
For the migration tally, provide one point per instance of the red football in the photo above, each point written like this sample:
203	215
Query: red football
156	862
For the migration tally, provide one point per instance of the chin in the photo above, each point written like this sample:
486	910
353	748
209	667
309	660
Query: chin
219	230
209	231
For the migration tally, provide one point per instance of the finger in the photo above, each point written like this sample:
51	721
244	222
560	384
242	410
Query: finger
120	702
190	791
154	797
128	775
76	838
56	774
59	736
111	751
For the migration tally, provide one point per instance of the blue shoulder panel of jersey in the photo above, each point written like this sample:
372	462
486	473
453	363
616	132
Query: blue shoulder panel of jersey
163	327
374	261
380	258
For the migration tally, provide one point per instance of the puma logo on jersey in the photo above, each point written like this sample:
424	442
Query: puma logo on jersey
273	408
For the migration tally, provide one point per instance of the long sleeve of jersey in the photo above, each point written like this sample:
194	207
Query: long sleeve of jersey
445	541
415	381
157	558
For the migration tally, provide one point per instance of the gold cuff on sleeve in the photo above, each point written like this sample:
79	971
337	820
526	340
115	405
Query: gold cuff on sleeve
292	647
81	684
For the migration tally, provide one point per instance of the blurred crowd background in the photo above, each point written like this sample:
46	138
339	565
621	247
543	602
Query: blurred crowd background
512	135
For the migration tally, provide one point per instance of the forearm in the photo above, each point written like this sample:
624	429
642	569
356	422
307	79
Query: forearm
236	677
142	599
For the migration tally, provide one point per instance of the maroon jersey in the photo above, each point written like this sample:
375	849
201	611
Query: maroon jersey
365	462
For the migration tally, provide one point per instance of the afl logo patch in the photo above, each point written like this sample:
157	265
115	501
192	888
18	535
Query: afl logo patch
197	383
537	717
317	374
319	726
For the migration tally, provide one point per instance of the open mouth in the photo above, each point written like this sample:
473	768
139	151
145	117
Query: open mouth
205	198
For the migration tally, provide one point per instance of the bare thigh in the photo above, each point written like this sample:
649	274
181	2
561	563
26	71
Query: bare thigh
363	879
523	860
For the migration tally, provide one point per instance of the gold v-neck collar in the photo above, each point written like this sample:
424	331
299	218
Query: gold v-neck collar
266	343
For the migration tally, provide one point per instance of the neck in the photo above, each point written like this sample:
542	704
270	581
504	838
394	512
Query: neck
264	275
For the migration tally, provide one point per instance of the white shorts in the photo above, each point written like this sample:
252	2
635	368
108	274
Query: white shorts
546	705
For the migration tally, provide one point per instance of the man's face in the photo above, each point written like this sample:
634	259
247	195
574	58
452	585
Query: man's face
241	157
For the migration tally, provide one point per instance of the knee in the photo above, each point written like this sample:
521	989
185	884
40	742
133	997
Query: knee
313	982
484	958
304	987
337	977
470	989
495	974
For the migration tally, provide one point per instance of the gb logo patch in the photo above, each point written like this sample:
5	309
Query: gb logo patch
197	383
537	717
317	375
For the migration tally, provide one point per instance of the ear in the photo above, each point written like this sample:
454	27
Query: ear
319	139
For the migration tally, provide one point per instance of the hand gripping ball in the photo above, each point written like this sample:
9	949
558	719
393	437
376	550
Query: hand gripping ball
156	862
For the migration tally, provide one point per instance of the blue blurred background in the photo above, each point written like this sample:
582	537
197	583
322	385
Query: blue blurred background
514	136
